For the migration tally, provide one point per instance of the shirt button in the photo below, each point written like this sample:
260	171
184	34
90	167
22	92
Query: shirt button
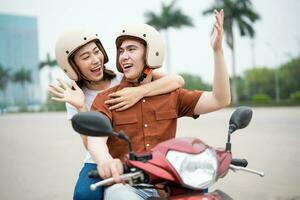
144	100
146	125
147	145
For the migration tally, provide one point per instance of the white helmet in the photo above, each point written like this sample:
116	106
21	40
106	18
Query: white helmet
155	49
69	42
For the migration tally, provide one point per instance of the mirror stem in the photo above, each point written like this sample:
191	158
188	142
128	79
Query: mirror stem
124	137
228	144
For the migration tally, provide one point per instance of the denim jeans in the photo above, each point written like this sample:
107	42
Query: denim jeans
82	189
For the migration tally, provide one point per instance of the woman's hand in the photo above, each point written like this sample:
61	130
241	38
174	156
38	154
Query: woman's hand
64	93
111	168
125	98
217	36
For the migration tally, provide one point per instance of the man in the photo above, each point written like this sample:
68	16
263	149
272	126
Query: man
153	119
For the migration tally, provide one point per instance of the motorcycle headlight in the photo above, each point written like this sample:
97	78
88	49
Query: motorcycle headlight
197	171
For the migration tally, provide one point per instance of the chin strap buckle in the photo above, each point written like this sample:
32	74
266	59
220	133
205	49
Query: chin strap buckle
145	73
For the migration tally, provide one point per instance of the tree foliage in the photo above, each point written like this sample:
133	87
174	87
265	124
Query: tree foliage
194	82
170	16
48	62
22	76
260	81
4	77
289	77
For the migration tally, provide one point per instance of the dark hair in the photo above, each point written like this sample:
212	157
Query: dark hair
129	37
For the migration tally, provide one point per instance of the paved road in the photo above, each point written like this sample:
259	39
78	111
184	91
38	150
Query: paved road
41	155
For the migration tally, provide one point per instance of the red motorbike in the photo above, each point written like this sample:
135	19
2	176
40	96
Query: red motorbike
183	167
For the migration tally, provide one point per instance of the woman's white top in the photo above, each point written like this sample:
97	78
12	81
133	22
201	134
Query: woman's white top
90	95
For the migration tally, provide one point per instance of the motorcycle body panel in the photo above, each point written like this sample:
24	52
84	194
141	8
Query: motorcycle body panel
159	169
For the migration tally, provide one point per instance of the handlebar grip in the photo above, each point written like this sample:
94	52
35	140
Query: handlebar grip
239	162
95	174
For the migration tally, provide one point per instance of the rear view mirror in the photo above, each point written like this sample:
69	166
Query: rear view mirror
92	124
240	118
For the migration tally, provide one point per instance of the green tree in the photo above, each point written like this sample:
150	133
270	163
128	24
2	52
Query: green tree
289	74
260	81
238	13
194	82
22	76
170	16
242	88
4	78
50	63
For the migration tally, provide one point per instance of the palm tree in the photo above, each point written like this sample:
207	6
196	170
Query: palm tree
22	76
50	63
4	78
238	13
169	17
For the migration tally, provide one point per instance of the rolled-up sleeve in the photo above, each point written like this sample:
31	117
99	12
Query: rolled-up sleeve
187	101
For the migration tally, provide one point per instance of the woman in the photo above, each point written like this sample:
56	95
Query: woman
82	57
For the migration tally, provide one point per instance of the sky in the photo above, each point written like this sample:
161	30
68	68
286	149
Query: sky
277	33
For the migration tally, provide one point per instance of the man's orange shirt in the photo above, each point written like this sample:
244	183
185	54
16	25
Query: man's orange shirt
149	122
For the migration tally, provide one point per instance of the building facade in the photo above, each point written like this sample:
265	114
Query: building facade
19	49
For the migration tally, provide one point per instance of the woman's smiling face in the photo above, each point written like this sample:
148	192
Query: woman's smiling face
89	60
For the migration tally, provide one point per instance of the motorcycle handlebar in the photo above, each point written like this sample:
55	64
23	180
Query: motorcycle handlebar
125	177
94	173
239	162
236	168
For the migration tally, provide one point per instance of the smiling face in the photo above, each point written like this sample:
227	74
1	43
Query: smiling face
89	60
131	58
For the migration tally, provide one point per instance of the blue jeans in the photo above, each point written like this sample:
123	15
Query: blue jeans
82	189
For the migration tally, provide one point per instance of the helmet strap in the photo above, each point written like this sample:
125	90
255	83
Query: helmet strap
145	73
